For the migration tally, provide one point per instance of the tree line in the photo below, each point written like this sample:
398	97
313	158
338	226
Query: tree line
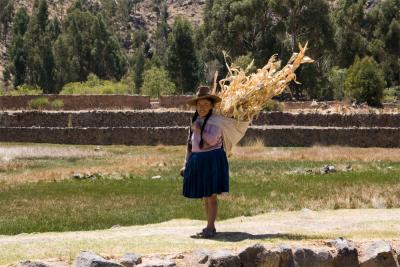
355	45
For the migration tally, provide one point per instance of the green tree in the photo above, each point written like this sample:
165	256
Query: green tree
139	69
243	62
6	16
336	78
365	82
17	52
86	46
182	62
384	36
38	47
156	83
162	33
240	27
349	20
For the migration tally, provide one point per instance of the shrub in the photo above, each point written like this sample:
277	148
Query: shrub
391	94
365	82
25	90
57	104
243	62
156	83
336	78
39	103
272	105
95	86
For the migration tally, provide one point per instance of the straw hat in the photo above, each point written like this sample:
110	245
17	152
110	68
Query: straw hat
203	92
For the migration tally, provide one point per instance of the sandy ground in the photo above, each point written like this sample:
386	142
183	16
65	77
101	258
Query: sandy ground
168	239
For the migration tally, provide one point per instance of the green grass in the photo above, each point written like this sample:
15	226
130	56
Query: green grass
257	186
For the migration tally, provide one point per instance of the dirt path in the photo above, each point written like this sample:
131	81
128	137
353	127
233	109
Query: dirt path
306	228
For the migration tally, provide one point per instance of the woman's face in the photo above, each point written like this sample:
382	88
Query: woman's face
203	106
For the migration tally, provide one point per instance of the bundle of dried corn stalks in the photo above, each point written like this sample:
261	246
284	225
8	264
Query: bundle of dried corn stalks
243	97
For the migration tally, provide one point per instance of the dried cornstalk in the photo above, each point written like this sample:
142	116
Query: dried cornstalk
243	97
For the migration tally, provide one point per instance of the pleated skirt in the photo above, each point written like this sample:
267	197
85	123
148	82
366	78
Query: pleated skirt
206	173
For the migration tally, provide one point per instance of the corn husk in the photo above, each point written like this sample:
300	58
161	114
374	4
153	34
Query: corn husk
244	96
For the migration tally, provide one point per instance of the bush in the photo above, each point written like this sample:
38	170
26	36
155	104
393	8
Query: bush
365	82
57	104
95	86
25	90
336	78
39	103
243	62
391	94
272	105
156	83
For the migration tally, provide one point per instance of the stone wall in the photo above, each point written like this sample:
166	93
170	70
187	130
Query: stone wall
96	136
309	136
151	118
78	102
174	101
179	102
271	136
328	120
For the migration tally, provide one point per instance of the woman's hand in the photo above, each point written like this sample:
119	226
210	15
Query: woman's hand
182	171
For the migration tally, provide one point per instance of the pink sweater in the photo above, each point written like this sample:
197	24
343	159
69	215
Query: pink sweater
212	137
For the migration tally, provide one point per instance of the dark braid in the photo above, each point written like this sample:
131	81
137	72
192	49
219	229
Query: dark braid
194	118
202	128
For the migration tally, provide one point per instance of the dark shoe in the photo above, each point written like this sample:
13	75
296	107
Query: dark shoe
208	233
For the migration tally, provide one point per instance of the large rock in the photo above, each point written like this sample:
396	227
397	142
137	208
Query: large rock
224	258
90	259
268	259
287	257
130	260
250	255
201	255
347	256
308	258
379	254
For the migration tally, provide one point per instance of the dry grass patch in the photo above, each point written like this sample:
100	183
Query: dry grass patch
10	152
257	151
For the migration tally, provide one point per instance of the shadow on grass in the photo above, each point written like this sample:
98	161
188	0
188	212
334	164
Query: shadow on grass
240	236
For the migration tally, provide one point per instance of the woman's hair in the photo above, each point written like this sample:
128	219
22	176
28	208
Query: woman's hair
194	118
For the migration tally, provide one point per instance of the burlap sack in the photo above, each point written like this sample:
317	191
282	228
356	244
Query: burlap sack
232	130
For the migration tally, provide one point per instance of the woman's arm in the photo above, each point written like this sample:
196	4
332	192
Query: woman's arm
187	154
212	134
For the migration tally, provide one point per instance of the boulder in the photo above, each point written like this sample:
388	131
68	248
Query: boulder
287	257
223	258
201	255
347	256
90	259
268	258
250	255
308	258
130	259
379	254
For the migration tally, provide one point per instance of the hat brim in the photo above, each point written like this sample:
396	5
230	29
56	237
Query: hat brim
214	98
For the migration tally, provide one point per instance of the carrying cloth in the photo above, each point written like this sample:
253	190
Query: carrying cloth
232	130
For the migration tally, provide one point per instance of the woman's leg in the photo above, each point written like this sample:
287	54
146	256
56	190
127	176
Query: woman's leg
212	211
205	204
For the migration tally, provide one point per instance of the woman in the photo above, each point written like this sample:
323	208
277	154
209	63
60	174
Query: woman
205	171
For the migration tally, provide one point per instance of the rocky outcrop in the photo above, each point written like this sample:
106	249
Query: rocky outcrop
337	253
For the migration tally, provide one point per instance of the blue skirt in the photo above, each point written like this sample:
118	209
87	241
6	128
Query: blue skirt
206	173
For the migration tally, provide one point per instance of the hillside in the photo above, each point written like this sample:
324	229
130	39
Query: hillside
142	17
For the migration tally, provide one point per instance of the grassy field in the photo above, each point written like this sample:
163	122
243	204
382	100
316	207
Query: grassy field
38	191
